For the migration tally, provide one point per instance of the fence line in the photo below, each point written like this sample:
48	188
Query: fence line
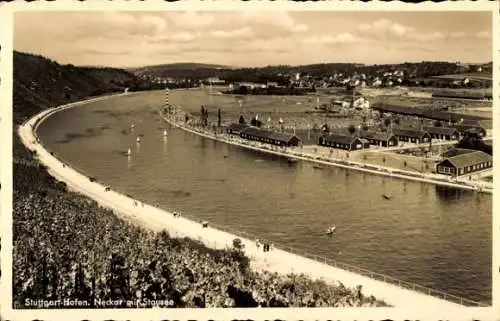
358	270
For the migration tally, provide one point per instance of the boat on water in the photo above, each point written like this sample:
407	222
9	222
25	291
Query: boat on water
292	160
331	230
318	167
226	156
165	134
138	139
129	152
387	196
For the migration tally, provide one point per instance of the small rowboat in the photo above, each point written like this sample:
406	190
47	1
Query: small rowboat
331	230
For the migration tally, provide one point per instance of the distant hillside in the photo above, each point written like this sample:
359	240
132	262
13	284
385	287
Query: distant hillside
179	65
317	71
178	70
41	83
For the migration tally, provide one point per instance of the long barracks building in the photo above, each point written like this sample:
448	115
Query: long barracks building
446	133
412	136
380	139
343	142
263	136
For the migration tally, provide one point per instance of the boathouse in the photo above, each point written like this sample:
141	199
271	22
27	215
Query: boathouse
343	142
465	163
464	129
412	136
236	129
446	133
380	139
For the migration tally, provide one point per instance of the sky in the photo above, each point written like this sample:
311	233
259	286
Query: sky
251	38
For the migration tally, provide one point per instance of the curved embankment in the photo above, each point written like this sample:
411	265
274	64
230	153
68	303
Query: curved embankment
374	169
157	219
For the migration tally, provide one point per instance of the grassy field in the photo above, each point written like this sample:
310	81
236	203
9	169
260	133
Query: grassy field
393	160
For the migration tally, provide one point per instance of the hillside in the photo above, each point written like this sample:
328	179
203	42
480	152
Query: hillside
40	83
179	70
178	65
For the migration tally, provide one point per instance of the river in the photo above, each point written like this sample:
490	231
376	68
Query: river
434	236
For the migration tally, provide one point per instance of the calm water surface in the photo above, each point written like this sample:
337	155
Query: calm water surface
437	237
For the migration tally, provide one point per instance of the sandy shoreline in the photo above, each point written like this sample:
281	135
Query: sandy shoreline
275	261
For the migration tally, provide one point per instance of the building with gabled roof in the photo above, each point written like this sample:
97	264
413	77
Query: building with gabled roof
382	139
447	133
412	135
454	151
236	129
345	142
269	137
465	129
465	163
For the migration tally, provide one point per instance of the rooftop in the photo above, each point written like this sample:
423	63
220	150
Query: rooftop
409	132
468	159
337	138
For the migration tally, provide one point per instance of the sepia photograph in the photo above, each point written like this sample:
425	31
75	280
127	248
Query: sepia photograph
252	159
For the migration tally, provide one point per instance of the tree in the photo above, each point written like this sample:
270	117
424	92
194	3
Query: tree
397	121
237	244
205	118
438	124
351	129
326	128
202	115
473	141
387	122
256	122
218	118
242	120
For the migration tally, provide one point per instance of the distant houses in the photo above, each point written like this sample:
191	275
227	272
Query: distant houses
464	163
412	136
380	139
215	81
344	142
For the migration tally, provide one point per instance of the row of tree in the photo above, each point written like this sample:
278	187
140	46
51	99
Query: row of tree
204	116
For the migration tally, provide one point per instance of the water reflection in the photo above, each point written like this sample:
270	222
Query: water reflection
447	193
